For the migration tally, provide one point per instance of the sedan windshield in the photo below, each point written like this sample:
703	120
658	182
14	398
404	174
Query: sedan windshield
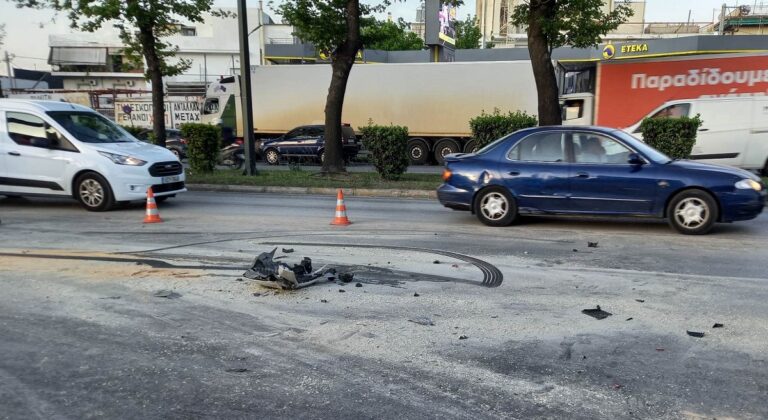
635	143
90	127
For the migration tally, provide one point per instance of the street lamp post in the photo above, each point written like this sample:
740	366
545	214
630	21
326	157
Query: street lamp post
245	88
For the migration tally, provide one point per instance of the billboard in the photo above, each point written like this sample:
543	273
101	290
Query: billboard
447	19
628	91
440	23
138	113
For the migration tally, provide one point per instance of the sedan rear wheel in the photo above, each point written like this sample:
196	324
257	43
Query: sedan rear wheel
692	212
495	207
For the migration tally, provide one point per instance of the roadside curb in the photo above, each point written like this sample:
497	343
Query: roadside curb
354	192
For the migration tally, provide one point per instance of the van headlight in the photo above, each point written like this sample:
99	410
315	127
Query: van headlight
123	160
749	184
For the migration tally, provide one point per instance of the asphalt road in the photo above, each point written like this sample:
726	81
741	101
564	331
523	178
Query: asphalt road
82	334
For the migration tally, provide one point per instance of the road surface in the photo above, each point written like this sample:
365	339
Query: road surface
84	336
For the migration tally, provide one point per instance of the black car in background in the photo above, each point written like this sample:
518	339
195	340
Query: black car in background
173	141
307	141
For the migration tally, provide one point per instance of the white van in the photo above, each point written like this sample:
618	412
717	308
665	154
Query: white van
734	130
62	149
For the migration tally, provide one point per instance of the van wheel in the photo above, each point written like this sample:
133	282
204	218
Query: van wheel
445	147
93	192
692	212
418	151
494	206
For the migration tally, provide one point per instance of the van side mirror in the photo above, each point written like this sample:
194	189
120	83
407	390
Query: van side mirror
40	142
635	159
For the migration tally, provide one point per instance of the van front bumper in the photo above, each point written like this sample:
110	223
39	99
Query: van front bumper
133	185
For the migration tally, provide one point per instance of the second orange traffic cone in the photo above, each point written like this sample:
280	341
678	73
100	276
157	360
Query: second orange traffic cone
341	211
152	216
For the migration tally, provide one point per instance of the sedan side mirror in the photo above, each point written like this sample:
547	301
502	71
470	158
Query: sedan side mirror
635	159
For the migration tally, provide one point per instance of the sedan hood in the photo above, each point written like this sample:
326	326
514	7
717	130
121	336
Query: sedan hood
713	167
138	149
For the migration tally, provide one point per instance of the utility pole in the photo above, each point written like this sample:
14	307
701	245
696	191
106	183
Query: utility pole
8	69
245	88
722	19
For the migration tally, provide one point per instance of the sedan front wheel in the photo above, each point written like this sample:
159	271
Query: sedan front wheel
494	206
692	212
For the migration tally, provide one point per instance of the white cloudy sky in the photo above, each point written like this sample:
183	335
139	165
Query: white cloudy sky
27	39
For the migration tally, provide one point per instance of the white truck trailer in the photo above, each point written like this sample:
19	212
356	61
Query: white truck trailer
434	100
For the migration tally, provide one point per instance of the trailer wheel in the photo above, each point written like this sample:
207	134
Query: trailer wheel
418	151
470	147
445	147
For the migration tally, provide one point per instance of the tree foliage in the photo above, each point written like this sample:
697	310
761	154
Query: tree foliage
557	23
143	25
468	33
389	36
575	23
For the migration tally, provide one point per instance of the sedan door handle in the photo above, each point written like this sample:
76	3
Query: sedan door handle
14	153
514	173
582	175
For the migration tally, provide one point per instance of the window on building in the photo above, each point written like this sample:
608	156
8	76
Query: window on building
188	31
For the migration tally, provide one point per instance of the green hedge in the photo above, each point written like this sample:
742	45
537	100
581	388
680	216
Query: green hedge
674	137
488	127
388	146
133	130
204	145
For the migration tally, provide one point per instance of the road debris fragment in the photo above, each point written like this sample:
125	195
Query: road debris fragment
416	294
323	300
463	337
640	300
660	349
575	250
718	325
287	250
279	275
436	262
346	277
695	334
596	313
342	291
592	244
237	370
168	294
358	284
422	320
629	319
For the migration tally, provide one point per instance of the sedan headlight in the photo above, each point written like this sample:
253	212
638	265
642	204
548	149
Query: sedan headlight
749	184
123	160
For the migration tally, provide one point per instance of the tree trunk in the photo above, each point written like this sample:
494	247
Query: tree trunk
541	61
154	69
342	60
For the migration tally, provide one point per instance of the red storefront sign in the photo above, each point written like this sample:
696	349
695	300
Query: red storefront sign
628	91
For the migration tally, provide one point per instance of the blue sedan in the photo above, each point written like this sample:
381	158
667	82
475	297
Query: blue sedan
595	171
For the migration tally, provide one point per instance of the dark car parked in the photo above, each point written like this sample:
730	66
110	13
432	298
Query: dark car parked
307	141
595	171
173	141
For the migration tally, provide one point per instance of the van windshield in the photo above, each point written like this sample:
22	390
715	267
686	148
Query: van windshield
90	127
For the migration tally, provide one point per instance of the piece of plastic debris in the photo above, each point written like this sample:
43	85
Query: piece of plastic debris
494	316
618	386
640	300
416	294
358	284
596	313
168	294
274	274
592	244
346	277
718	325
630	319
323	300
110	297
342	291
257	294
660	349
455	265
237	370
695	334
287	250
463	337
575	250
436	262
422	320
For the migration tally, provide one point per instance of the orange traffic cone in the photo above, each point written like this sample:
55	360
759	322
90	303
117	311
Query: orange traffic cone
152	214
341	211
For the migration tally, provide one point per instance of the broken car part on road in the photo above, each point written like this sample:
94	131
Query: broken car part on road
267	272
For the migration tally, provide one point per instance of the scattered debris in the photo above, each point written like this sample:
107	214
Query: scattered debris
422	320
630	319
168	294
592	244
239	279
718	325
583	357
342	291
596	313
436	262
257	294
323	322
463	337
455	265
494	316
618	386
346	277
695	334
237	370
287	250
279	275
660	349
640	300
323	301
358	284
416	295
110	297
575	250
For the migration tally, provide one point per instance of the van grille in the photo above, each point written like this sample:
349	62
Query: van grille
161	188
165	169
